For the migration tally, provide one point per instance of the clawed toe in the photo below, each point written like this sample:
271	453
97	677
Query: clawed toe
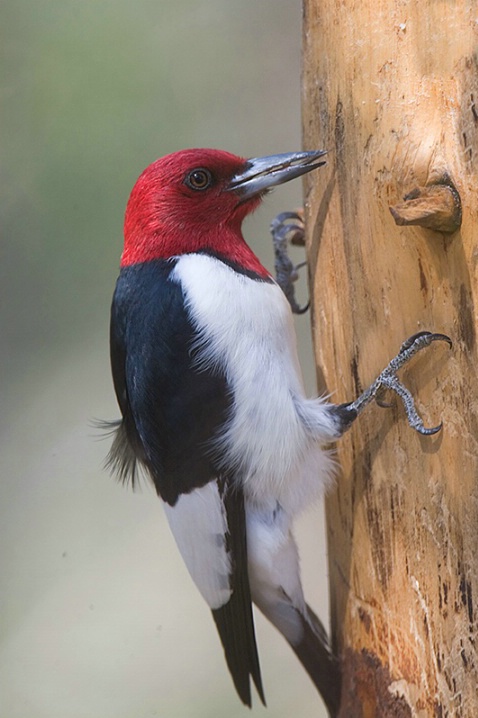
423	339
388	380
288	227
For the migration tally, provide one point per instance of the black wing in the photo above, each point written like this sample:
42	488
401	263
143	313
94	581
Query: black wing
171	409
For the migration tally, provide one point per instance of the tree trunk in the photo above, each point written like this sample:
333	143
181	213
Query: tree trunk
390	89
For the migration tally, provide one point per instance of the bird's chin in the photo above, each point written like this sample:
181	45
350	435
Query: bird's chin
252	203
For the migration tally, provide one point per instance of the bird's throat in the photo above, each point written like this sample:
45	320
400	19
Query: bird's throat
226	243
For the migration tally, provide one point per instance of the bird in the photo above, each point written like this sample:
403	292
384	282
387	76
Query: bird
213	409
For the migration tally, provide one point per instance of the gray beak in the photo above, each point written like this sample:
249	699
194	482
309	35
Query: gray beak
261	173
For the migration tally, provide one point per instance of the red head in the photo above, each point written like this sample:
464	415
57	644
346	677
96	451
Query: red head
197	199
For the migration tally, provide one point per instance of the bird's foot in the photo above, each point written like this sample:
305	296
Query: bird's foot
388	380
288	227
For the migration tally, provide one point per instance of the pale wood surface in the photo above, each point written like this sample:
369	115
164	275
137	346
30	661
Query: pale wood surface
389	88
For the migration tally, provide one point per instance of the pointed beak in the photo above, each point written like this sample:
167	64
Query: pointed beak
262	173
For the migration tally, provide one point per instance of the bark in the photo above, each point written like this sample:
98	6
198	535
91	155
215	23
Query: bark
390	87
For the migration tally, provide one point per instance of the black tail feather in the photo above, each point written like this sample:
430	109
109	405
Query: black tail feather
234	620
235	625
322	666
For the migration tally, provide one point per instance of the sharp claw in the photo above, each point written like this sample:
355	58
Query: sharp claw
411	340
383	404
281	231
426	339
380	401
286	273
388	380
429	432
283	217
443	338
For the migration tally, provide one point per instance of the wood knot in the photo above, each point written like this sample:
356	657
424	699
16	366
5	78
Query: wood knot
436	206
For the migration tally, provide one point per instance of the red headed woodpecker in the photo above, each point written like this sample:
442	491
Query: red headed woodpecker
213	408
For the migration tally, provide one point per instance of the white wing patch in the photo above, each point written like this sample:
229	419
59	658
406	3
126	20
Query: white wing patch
199	525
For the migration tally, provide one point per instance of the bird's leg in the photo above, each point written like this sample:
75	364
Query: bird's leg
388	379
288	226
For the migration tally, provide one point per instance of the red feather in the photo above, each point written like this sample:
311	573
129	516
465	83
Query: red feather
166	218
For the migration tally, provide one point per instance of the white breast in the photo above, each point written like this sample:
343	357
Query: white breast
245	327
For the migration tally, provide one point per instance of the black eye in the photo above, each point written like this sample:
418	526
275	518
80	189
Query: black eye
199	179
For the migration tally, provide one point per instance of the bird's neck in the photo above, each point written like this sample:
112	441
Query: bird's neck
226	242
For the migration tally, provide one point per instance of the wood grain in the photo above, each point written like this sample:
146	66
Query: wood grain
389	88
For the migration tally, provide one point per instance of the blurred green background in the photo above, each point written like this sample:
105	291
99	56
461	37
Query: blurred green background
99	618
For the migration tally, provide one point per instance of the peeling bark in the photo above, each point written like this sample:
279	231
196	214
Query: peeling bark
389	88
